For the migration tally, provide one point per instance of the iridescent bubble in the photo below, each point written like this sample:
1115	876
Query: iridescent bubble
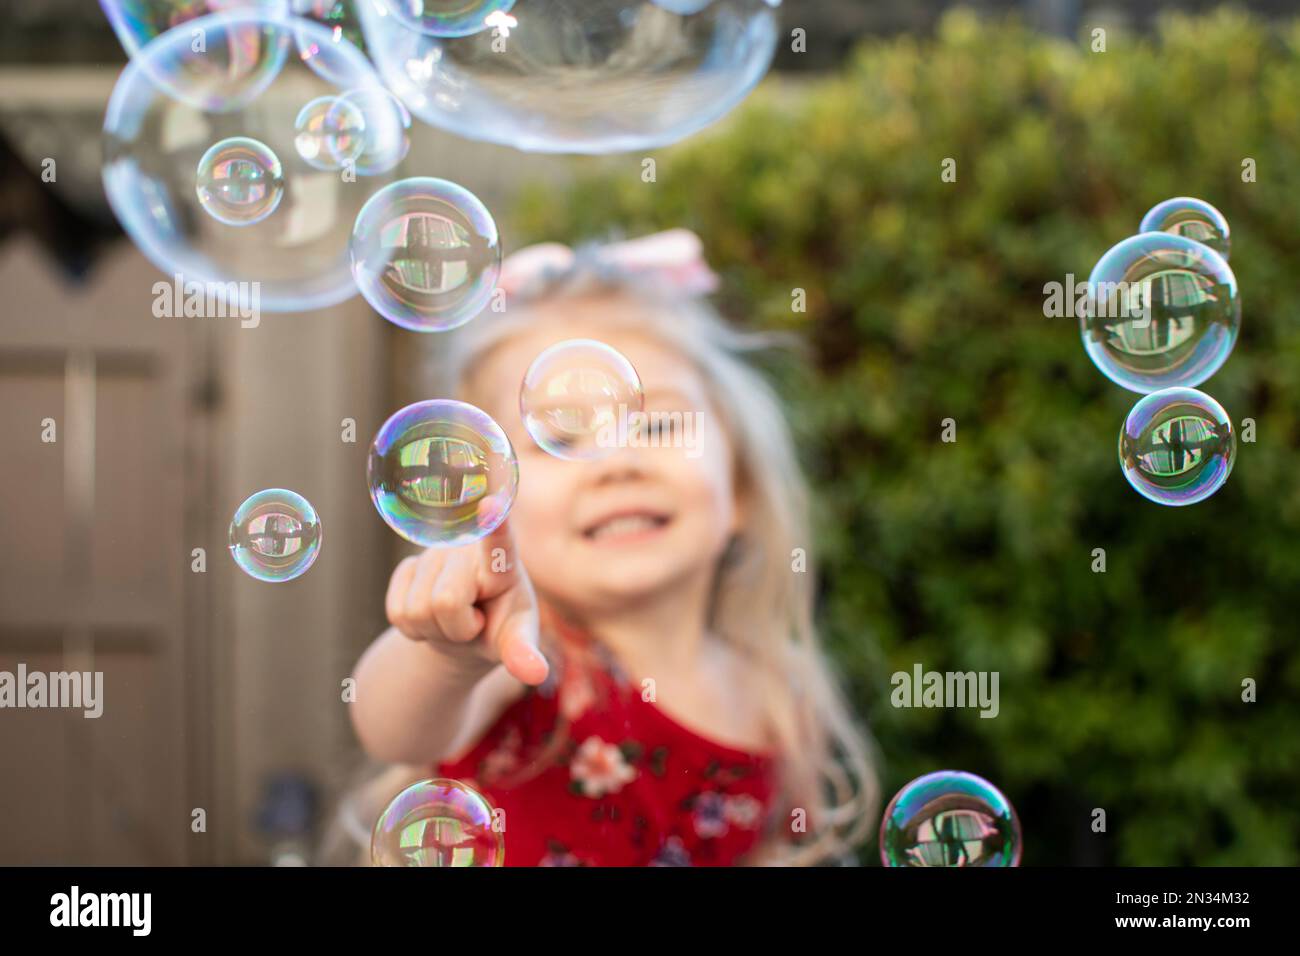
136	22
222	70
425	254
1163	311
447	18
153	142
387	125
329	133
950	818
1192	218
442	473
239	181
275	535
596	76
1177	446
574	396
437	823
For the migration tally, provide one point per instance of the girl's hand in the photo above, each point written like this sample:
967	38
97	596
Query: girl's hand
473	615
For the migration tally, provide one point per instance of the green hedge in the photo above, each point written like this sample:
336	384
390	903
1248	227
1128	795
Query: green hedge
1119	690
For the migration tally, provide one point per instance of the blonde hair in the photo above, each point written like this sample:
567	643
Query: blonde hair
760	605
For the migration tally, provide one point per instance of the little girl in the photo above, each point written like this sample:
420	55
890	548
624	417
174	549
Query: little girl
627	666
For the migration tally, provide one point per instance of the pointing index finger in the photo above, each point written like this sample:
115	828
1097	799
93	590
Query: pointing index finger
498	547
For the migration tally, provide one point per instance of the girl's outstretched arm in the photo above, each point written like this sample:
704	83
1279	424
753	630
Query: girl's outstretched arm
462	644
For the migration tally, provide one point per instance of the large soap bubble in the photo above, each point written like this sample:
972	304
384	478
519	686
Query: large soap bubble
156	133
580	76
222	72
136	22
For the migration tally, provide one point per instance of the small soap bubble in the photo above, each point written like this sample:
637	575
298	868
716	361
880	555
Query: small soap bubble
387	128
275	535
1163	311
437	822
1177	446
442	473
1192	218
574	396
447	18
950	818
329	132
239	181
425	254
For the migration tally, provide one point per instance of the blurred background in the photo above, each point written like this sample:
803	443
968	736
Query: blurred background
1119	690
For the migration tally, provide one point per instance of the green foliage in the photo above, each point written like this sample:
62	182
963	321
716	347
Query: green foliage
1119	690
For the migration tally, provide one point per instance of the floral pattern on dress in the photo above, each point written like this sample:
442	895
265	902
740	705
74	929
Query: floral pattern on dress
599	768
672	852
709	815
591	774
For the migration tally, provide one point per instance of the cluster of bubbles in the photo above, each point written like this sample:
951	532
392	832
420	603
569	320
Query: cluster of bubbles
275	535
437	822
1163	315
259	114
950	818
200	136
443	473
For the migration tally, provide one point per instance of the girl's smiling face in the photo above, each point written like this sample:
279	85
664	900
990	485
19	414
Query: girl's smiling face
596	535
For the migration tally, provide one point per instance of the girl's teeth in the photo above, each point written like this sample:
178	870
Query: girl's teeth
627	525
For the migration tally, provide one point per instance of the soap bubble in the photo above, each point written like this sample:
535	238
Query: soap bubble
1192	218
1163	311
425	254
447	18
442	473
580	76
950	818
275	535
437	823
239	181
153	142
214	71
575	394
136	22
329	132
387	123
1177	446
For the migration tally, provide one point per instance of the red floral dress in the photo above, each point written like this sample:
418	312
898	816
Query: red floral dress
589	773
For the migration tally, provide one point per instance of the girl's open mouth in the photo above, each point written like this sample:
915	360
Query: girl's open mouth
626	526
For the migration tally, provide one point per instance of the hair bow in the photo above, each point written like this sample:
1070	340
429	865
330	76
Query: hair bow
673	259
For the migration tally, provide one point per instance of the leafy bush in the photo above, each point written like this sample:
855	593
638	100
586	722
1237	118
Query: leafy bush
1120	690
